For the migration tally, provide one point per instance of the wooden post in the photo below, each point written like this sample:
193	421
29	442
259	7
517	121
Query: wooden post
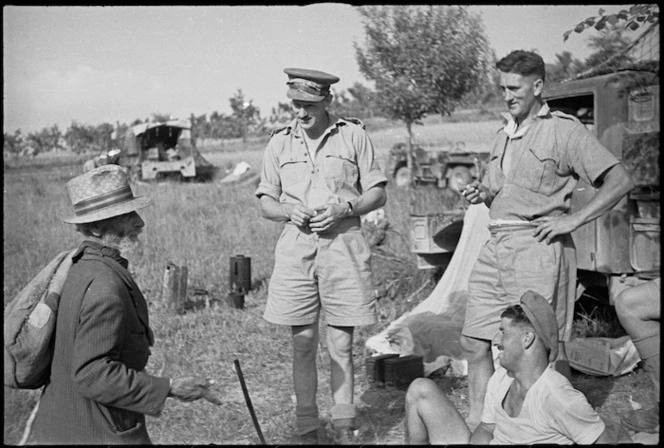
174	290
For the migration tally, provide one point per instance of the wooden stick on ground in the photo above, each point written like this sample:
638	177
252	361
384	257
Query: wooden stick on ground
238	370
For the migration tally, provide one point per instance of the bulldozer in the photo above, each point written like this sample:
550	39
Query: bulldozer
157	150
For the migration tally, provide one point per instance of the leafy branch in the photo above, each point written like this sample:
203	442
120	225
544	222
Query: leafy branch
633	19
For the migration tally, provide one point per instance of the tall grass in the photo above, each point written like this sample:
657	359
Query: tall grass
202	225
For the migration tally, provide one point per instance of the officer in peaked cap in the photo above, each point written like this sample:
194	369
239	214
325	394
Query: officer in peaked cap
319	176
308	85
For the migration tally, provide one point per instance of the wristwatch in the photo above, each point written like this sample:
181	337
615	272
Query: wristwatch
350	208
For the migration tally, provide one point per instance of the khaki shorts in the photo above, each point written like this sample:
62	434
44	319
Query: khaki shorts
512	262
330	272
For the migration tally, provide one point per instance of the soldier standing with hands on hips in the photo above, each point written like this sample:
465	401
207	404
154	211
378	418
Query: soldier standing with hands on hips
319	176
536	159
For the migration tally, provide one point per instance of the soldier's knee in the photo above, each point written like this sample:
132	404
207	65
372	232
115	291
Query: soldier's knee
474	348
633	302
420	389
305	341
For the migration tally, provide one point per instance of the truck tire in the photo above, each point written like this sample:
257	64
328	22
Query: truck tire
402	177
459	177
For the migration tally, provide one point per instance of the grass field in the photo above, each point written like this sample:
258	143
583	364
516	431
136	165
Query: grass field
202	226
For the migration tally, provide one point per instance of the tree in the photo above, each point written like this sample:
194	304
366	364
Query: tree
159	117
246	117
565	67
359	101
632	19
200	128
118	134
423	59
45	140
82	138
281	115
610	47
14	143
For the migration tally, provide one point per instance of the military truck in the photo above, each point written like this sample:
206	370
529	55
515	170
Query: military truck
453	167
436	206
164	149
622	110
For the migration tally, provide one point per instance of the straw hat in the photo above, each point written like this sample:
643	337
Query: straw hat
102	193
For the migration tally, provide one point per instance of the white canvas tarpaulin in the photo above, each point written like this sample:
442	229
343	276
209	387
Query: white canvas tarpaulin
432	329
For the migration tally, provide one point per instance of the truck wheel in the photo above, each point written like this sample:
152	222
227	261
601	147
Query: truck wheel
459	177
402	177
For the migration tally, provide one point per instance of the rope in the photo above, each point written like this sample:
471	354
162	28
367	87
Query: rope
28	424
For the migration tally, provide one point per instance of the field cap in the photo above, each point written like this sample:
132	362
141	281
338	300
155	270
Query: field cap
543	319
308	85
102	193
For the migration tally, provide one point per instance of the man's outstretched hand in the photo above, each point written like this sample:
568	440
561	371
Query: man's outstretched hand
190	388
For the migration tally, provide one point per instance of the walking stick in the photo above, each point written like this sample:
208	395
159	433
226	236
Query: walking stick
238	370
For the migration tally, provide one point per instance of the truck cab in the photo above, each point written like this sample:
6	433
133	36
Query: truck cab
622	110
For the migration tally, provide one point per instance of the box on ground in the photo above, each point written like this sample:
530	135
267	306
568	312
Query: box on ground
401	371
376	368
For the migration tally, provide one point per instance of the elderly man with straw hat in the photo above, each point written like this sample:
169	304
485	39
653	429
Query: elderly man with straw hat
99	392
527	401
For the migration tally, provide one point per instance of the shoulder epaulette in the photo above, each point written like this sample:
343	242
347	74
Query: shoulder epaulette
277	130
560	114
356	121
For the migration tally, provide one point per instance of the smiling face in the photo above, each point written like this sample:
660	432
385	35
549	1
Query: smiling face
312	116
521	94
509	341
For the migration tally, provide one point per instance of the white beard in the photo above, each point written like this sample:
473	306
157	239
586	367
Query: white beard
130	246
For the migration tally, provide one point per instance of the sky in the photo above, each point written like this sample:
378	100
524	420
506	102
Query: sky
95	64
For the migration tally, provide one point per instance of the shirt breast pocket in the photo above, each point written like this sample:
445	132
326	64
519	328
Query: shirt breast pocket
340	166
539	170
293	170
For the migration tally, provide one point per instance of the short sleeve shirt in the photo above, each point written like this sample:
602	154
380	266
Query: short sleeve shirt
546	161
342	168
553	412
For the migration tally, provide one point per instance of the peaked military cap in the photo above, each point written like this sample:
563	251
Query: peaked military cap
308	85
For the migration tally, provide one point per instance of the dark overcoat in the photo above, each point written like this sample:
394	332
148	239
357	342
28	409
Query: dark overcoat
99	392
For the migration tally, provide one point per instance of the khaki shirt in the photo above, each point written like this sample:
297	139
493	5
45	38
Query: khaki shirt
342	168
547	159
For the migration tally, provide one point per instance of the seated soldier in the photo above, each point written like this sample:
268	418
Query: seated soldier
526	402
